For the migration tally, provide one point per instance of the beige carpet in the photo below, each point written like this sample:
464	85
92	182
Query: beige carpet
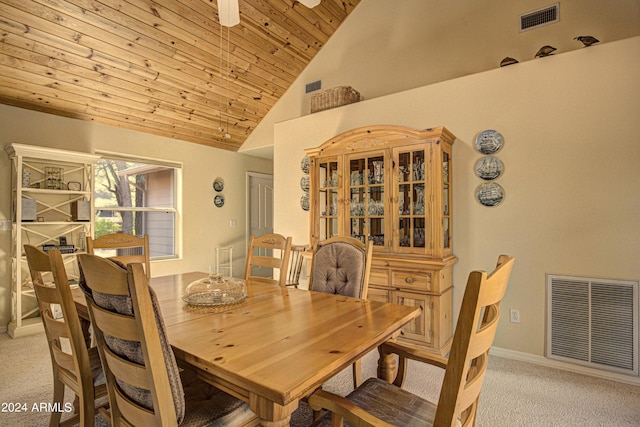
514	393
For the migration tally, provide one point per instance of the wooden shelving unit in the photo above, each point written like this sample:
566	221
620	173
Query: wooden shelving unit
43	175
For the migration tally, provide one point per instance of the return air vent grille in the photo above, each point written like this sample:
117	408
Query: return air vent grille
545	16
593	322
313	86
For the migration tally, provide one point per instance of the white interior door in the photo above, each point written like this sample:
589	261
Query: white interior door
260	211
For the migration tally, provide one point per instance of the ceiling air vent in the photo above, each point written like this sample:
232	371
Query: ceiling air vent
313	86
545	16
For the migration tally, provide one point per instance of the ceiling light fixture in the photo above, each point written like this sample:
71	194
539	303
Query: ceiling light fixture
310	3
229	12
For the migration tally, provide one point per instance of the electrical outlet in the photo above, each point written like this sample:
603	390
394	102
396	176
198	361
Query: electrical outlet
5	225
515	315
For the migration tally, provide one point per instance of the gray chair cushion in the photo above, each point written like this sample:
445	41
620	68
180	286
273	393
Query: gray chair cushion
338	268
389	403
132	349
210	406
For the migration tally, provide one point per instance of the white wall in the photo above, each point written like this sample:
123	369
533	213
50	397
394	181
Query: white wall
572	170
386	47
204	226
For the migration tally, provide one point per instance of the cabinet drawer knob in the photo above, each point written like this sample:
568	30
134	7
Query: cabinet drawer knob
409	280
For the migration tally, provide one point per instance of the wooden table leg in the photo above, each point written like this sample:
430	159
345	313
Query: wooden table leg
270	413
387	366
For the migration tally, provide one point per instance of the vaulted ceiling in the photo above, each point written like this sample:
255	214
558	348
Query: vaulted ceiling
158	66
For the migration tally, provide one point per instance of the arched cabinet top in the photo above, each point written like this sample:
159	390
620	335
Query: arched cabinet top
383	136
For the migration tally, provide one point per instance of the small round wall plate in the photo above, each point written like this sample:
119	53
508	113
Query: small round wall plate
489	167
305	164
304	183
218	201
490	194
304	202
218	184
489	141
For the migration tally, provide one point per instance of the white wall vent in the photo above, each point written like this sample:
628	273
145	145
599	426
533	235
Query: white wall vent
313	86
593	322
547	15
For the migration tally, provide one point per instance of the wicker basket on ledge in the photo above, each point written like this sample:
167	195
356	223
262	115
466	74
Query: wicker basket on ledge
334	97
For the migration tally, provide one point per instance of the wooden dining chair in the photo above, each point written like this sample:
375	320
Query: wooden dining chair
295	265
74	365
341	265
145	386
261	255
125	248
379	403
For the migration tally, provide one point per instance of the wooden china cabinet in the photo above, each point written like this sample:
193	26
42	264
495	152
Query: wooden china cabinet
392	185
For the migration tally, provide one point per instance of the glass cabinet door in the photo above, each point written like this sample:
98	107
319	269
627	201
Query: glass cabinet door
367	199
328	176
446	200
412	188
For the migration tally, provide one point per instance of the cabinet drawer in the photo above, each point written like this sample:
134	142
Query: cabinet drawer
379	277
411	279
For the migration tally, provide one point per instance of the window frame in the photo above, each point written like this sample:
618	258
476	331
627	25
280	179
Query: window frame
177	196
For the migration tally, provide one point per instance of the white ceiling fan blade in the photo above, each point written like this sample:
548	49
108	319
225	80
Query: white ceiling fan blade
310	3
228	12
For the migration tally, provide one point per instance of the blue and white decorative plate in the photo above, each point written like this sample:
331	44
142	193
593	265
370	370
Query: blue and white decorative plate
489	167
489	141
218	184
490	194
218	201
305	164
304	202
304	183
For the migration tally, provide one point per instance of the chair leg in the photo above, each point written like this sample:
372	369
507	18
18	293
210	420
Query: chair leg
58	397
87	411
357	373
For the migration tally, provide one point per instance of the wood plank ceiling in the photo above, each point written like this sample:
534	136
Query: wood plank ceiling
157	66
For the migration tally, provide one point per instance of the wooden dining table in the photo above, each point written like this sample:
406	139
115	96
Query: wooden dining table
275	347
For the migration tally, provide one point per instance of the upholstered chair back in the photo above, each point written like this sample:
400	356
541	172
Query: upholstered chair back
341	266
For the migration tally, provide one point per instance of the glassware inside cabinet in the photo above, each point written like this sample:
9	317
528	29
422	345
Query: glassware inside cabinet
404	199
445	229
418	232
356	172
411	199
404	167
328	228
376	231
328	200
367	199
328	174
418	166
376	201
376	170
333	202
404	232
446	197
418	197
356	204
358	229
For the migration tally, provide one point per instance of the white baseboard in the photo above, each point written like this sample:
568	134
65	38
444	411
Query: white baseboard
550	363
